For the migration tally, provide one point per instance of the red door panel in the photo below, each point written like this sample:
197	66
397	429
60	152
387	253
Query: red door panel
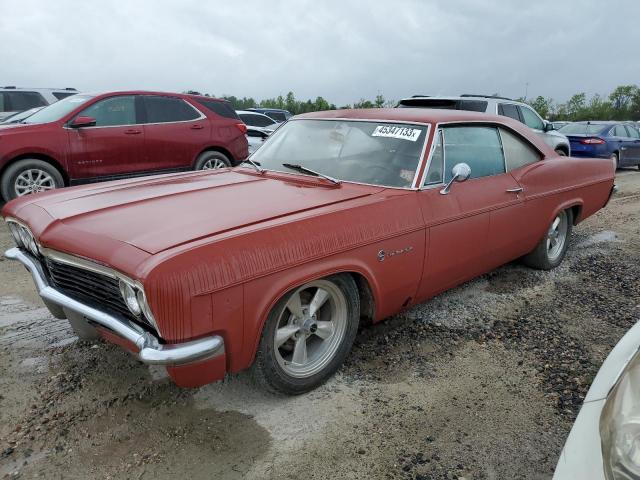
105	151
472	229
175	145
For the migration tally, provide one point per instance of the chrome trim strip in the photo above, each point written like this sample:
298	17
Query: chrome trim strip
150	349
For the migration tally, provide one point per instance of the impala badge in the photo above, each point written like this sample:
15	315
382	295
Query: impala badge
382	254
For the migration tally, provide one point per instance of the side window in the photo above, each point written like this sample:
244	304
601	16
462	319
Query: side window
113	111
434	174
517	152
168	109
3	105
620	131
633	131
509	110
473	105
531	120
479	147
20	101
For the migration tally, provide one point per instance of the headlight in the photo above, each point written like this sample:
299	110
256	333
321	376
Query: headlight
142	301
15	232
620	426
130	298
24	236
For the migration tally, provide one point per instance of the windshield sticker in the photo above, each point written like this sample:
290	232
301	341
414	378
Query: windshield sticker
403	133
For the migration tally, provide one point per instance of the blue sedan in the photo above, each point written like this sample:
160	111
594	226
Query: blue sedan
616	140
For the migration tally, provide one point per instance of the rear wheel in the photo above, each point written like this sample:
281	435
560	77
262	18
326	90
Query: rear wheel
561	152
212	160
29	176
616	160
553	247
308	334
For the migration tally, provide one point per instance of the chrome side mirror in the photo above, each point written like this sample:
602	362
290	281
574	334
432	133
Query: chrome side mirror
460	172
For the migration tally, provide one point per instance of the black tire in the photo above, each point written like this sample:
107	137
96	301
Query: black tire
212	160
541	258
267	369
561	152
616	159
8	186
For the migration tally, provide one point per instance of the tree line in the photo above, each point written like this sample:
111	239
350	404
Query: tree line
623	103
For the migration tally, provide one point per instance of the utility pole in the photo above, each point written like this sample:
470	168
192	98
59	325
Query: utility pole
526	90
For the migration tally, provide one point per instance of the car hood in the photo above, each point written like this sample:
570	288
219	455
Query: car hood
162	212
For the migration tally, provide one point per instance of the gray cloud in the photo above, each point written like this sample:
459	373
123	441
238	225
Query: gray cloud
341	50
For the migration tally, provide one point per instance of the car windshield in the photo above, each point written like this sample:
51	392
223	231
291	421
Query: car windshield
57	110
377	153
582	128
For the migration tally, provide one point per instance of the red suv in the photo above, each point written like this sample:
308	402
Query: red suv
88	138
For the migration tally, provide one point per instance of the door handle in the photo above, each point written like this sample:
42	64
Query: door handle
132	131
515	190
197	126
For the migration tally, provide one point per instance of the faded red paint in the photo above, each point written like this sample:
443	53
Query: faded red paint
216	250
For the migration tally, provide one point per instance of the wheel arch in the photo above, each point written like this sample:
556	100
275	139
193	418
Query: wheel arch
37	156
214	148
575	205
283	284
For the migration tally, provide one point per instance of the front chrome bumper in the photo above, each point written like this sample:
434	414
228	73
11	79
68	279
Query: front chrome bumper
150	350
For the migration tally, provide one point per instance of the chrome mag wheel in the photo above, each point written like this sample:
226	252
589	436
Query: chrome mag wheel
310	328
33	180
213	163
557	236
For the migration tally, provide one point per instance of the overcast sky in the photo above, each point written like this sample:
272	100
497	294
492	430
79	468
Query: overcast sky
340	49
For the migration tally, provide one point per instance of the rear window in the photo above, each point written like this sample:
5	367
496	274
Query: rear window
168	109
445	104
583	129
223	109
277	116
256	120
61	95
19	101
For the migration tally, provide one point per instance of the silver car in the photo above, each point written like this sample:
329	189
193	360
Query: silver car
495	106
14	99
258	121
604	443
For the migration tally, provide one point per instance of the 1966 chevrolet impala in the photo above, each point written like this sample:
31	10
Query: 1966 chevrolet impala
341	217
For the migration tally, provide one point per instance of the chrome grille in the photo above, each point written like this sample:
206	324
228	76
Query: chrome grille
91	288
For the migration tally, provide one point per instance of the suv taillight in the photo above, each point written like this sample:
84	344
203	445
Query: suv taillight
592	141
242	127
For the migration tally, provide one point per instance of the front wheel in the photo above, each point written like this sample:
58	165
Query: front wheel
29	176
212	160
553	247
307	335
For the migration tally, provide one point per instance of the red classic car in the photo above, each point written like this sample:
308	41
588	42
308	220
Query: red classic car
341	217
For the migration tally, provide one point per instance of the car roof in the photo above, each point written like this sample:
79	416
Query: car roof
430	116
251	112
11	88
461	97
149	92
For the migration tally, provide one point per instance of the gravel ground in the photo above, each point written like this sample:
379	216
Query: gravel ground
482	382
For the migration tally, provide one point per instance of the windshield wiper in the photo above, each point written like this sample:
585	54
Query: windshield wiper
256	165
300	168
